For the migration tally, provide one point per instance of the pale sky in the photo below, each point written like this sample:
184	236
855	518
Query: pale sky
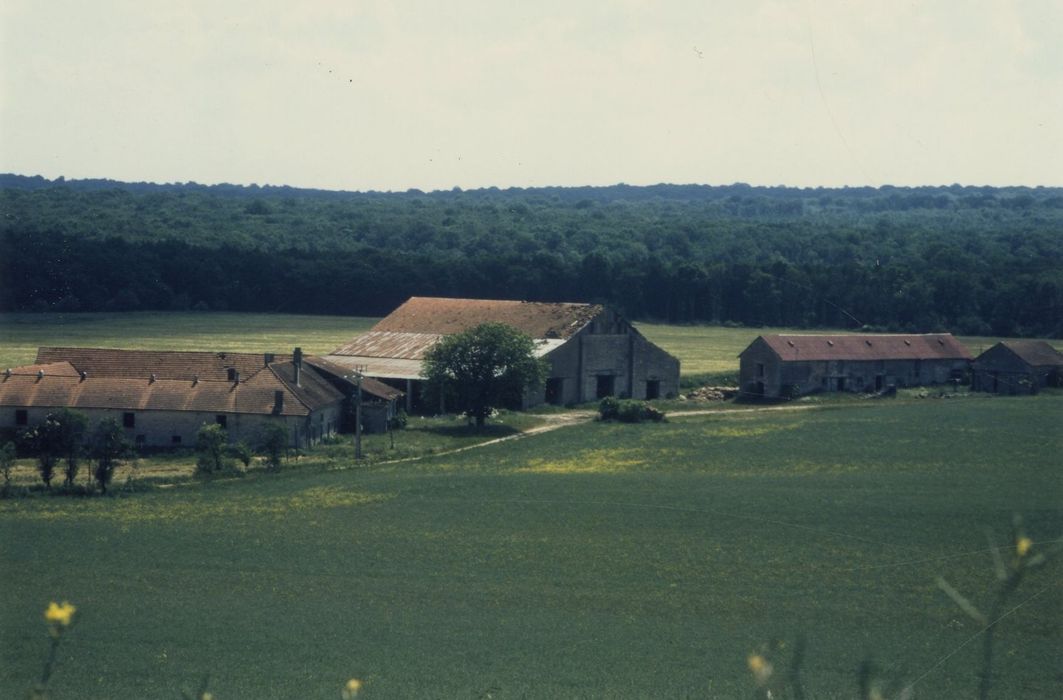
394	95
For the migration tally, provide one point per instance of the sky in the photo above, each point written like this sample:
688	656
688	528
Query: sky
392	95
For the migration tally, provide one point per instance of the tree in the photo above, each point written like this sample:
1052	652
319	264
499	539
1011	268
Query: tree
7	461
485	367
58	437
109	445
210	449
272	443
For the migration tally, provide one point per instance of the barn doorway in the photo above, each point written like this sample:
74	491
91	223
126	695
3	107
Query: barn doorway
653	389
841	384
555	393
606	386
878	382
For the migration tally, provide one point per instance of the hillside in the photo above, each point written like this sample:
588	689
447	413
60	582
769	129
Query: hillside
975	260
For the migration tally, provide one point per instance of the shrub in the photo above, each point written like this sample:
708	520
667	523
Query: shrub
109	445
7	461
210	449
241	451
609	408
273	443
628	410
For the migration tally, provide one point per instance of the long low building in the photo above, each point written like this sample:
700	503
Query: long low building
592	351
785	366
162	398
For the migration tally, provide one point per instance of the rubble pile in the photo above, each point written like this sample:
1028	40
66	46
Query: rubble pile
710	393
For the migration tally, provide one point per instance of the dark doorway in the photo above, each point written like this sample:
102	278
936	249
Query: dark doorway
653	389
555	393
878	382
841	383
758	388
606	384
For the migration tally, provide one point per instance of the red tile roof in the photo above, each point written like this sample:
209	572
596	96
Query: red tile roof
164	364
62	385
931	346
441	316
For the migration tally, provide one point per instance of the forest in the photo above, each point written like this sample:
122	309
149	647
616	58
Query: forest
972	260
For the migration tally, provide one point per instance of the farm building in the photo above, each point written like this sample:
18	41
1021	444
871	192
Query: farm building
792	365
1017	367
592	351
162	398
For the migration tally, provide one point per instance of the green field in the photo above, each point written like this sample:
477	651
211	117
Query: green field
701	349
599	560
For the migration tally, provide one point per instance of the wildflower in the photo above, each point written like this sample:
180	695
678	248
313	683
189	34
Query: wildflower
1022	546
760	667
60	614
353	687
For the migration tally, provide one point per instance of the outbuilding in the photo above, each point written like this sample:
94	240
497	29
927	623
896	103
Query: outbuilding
1017	367
789	365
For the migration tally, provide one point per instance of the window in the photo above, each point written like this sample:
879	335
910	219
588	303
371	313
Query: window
222	420
22	416
129	420
760	369
175	439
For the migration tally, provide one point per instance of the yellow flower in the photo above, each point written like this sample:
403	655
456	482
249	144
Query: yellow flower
353	687
1022	546
60	614
760	667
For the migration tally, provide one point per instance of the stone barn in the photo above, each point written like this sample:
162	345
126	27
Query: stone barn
593	352
775	366
1017	367
162	398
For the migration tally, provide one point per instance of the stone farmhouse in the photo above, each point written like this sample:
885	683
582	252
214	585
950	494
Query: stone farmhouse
792	365
162	398
1017	367
592	351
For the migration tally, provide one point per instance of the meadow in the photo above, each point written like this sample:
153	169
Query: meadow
599	560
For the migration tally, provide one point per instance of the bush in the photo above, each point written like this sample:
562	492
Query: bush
58	437
109	445
7	461
609	408
628	410
273	444
241	451
210	450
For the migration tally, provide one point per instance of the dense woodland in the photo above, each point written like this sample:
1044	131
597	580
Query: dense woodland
974	260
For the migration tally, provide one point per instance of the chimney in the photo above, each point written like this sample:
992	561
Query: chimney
84	375
278	402
236	376
297	361
267	359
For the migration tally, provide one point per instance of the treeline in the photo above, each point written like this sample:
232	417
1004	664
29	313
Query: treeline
970	260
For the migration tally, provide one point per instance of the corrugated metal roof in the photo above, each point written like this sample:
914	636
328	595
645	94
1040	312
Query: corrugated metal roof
407	346
442	316
931	346
1036	353
370	386
384	367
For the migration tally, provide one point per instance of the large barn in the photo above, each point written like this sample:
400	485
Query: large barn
792	365
162	398
1017	367
592	351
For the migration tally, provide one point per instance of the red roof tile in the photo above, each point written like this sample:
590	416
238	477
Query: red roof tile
931	346
441	316
164	364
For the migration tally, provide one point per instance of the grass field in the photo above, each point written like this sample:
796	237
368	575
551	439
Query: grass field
703	350
599	560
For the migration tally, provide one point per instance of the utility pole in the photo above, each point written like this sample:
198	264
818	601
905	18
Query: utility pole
358	418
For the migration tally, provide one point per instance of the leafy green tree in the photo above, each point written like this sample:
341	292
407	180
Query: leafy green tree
210	449
242	452
485	367
7	461
109	446
272	443
59	436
